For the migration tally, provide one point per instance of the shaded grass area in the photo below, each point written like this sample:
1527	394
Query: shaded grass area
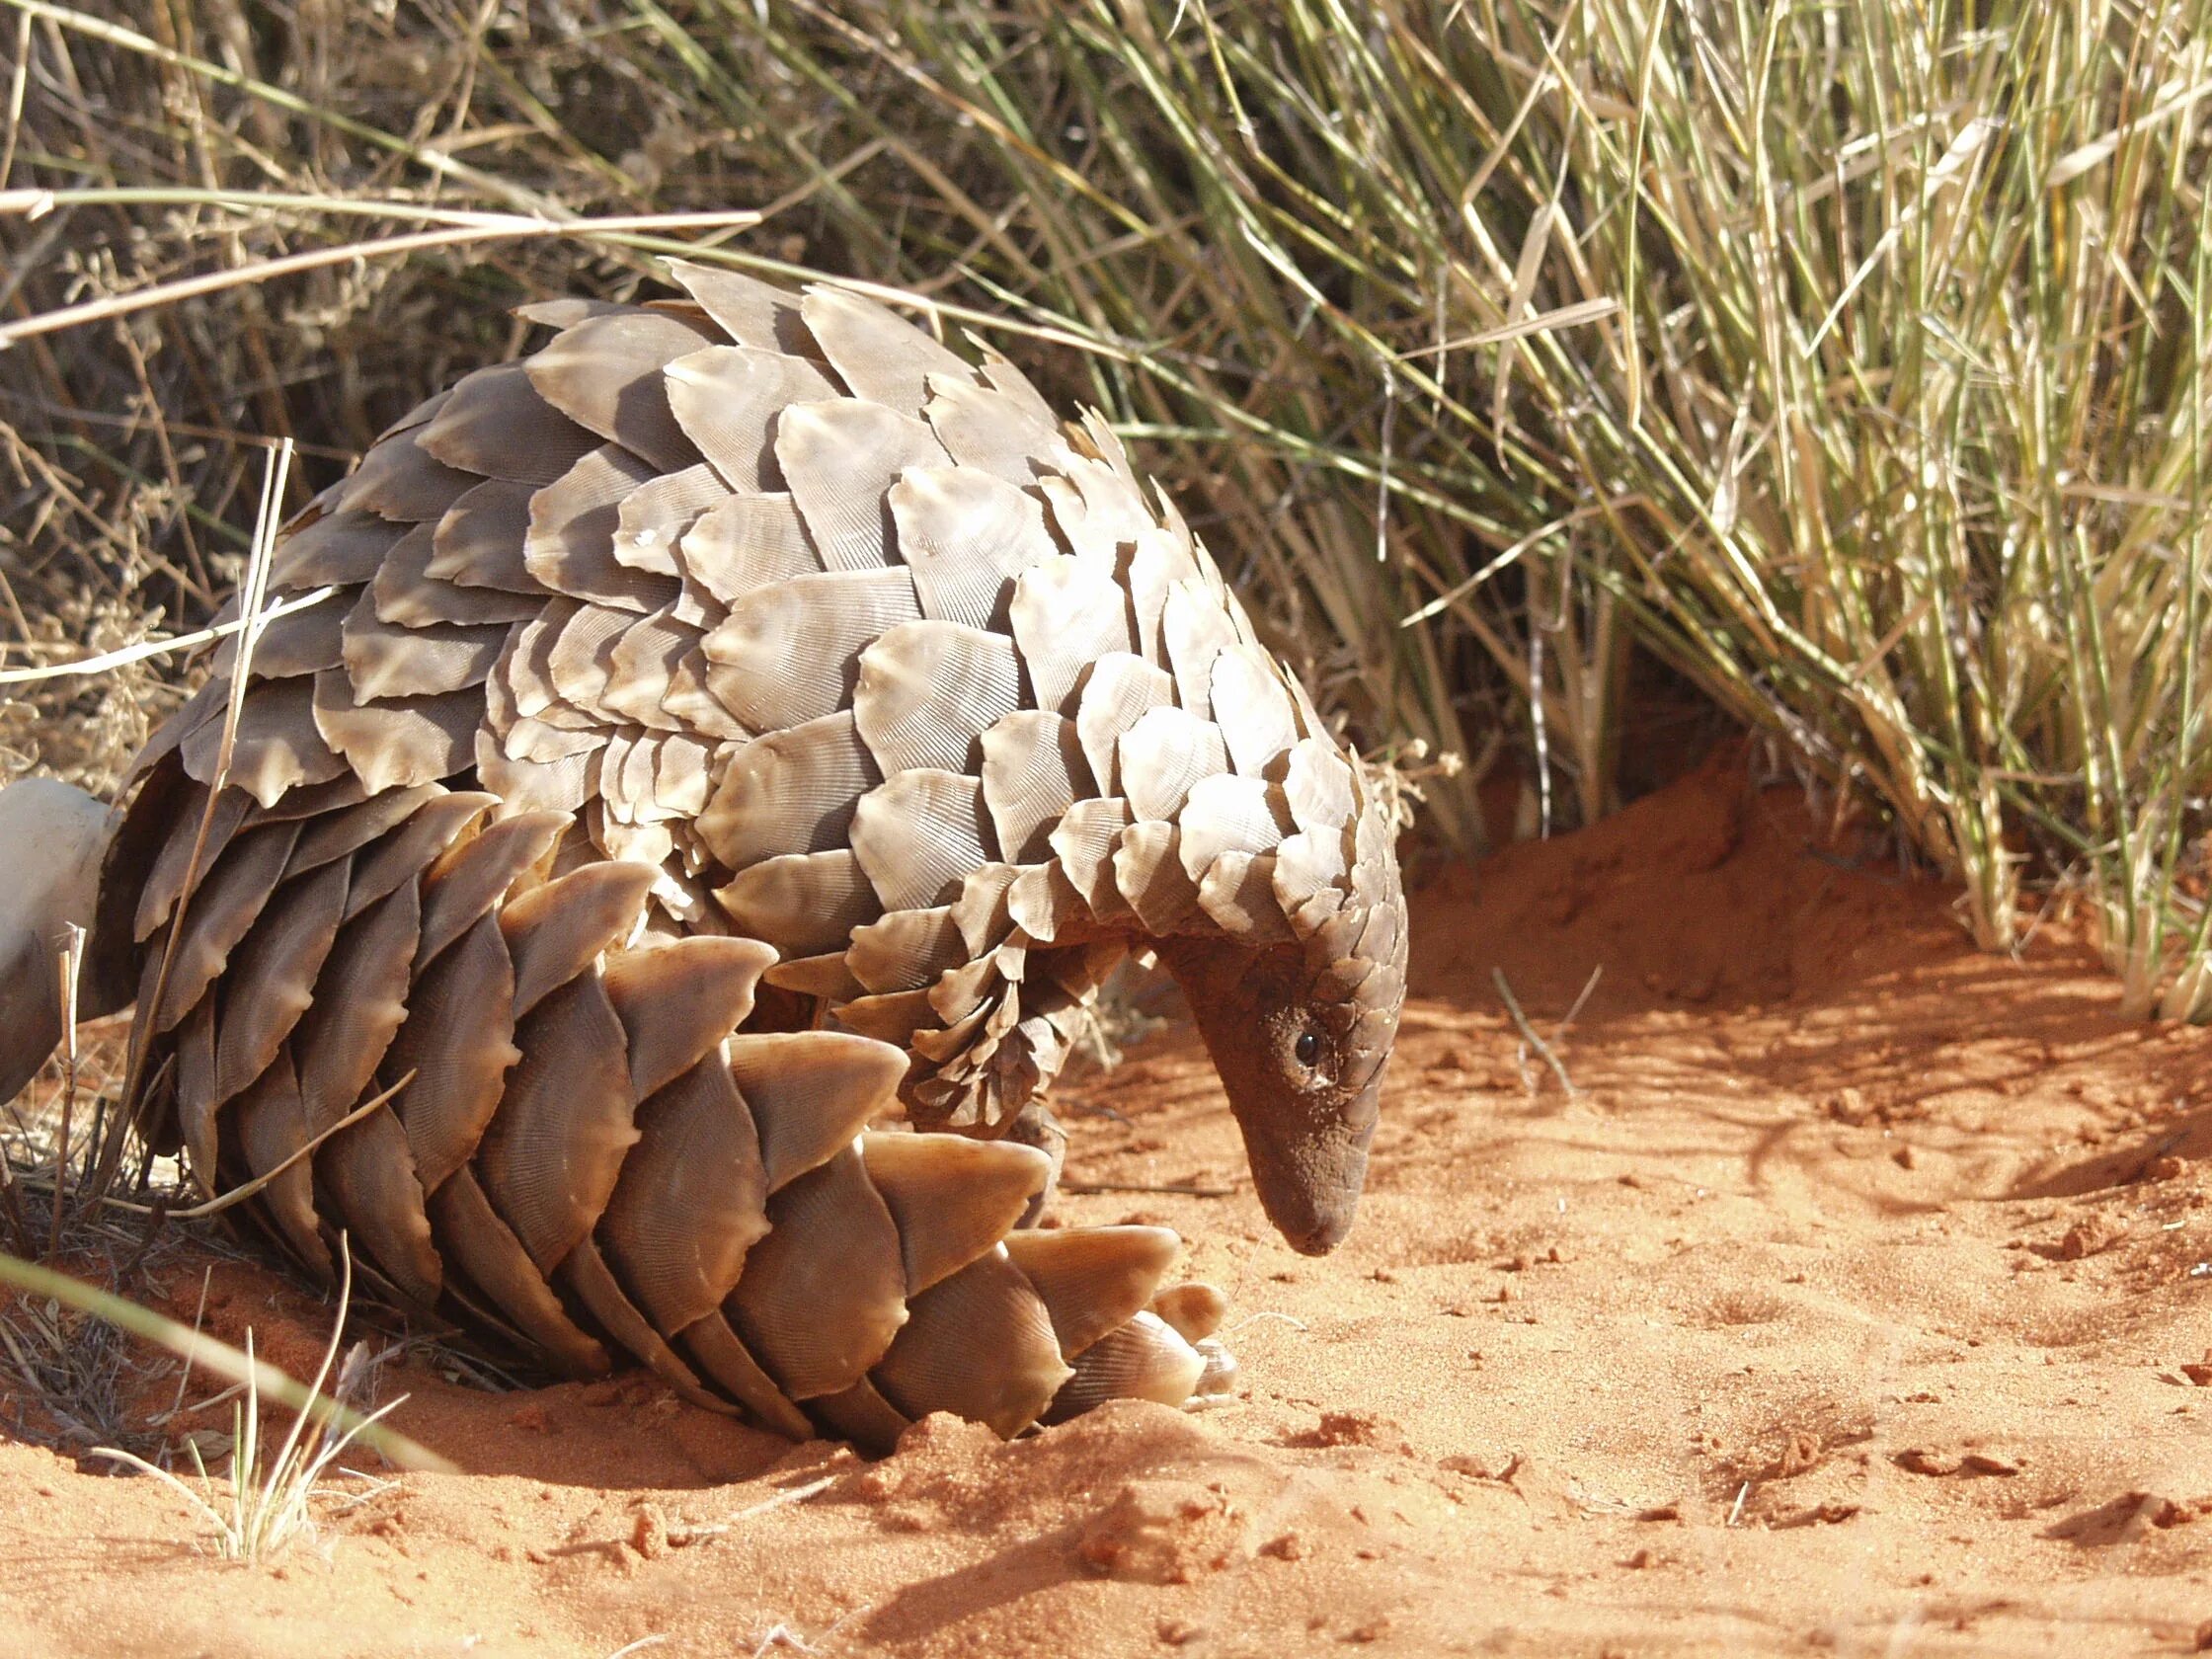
1850	363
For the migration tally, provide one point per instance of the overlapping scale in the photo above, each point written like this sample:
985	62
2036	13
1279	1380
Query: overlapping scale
791	653
728	398
928	690
840	459
966	535
607	374
881	358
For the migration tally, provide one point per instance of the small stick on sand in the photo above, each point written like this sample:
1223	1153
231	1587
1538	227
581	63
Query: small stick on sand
1529	1033
1559	1031
781	1500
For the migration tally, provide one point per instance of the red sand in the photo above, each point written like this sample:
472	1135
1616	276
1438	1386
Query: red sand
1858	1301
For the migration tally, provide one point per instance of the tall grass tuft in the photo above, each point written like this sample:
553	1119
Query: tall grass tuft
1911	393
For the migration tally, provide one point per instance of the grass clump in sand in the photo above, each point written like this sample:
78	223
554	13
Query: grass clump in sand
1849	361
264	1502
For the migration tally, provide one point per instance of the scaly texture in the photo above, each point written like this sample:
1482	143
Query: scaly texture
736	719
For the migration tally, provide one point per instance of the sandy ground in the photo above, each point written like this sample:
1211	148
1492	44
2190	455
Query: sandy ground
1856	1301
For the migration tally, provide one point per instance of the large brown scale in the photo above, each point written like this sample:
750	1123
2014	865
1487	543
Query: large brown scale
736	720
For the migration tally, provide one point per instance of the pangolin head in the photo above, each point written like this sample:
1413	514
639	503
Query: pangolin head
1302	1031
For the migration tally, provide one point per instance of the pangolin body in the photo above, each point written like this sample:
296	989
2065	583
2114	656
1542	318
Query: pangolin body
737	717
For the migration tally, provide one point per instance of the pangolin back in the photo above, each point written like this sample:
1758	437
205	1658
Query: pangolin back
736	719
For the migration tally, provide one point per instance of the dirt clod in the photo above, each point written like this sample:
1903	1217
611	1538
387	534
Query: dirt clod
1354	1428
1162	1531
1916	1459
2092	1235
1803	1452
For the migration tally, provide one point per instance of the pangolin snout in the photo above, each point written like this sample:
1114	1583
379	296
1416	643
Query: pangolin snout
1309	1180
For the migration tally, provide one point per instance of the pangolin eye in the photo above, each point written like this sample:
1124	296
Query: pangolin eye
1308	1047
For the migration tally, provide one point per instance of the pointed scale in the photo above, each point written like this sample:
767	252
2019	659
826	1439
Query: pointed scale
978	1344
822	1295
553	1150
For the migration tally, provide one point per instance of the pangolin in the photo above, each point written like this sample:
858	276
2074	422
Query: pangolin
737	717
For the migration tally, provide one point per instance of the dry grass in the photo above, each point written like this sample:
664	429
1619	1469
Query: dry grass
59	1200
1850	360
267	1502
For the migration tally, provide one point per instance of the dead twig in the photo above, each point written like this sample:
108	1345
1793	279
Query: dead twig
1559	1032
249	603
1531	1039
147	648
239	1194
491	226
72	951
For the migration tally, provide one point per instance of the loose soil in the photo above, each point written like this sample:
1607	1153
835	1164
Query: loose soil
1855	1299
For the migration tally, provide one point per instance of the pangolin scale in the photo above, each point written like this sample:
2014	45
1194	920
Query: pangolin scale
737	720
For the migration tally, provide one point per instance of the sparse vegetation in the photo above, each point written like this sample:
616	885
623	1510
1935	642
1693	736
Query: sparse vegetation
262	1503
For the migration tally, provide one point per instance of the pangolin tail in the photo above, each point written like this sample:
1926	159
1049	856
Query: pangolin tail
593	1140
